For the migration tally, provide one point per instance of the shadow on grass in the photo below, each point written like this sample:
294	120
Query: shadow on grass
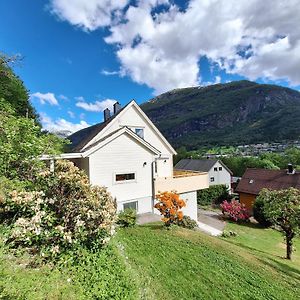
247	224
153	226
281	266
275	261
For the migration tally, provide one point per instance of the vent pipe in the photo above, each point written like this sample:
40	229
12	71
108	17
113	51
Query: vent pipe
106	114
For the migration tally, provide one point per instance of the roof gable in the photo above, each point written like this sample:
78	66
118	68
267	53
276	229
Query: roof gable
84	138
254	180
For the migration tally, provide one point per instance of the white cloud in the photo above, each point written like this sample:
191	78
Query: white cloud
88	14
63	97
61	124
45	98
71	114
110	73
96	106
162	47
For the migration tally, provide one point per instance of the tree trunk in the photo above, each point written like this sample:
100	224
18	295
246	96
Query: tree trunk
289	244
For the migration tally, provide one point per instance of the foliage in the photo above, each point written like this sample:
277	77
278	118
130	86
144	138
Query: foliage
259	213
80	274
65	212
235	211
199	262
21	142
215	194
127	217
169	205
228	233
12	89
282	209
187	222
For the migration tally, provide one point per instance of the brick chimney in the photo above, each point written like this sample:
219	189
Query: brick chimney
117	107
106	113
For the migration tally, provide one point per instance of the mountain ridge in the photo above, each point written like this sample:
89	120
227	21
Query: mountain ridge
234	113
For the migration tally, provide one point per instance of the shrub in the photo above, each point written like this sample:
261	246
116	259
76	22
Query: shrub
235	211
229	233
127	217
215	194
187	222
169	205
64	213
259	213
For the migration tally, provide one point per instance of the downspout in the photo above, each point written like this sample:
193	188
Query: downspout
153	181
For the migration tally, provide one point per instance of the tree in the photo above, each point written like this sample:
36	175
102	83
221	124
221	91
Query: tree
12	89
21	142
282	209
169	205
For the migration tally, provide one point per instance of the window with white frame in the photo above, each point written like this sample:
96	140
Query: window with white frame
220	168
132	205
212	179
124	177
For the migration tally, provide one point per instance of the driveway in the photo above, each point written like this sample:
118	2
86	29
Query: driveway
210	222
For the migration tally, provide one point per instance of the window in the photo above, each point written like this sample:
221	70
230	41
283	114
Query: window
220	168
139	132
212	179
215	169
132	205
125	177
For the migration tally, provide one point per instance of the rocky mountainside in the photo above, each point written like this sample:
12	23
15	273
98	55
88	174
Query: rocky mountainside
234	113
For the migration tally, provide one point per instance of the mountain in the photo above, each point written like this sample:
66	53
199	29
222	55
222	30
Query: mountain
235	113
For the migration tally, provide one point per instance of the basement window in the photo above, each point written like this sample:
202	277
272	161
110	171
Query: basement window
125	177
132	205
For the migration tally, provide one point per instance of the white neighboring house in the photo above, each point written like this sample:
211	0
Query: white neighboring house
218	172
128	155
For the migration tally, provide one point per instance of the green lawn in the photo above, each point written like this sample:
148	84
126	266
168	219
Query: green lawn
184	264
150	262
268	244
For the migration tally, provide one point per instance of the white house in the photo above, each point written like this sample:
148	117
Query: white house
218	172
127	154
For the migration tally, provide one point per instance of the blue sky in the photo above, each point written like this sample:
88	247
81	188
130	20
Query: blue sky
82	55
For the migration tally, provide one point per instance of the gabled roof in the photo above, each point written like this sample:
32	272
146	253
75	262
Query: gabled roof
81	139
254	180
203	165
102	142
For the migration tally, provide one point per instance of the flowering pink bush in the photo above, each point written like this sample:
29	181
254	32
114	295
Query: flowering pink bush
235	211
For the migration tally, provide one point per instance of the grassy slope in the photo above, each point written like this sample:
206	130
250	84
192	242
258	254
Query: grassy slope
269	245
96	276
183	264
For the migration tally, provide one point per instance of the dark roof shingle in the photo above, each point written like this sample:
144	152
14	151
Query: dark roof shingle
203	165
254	180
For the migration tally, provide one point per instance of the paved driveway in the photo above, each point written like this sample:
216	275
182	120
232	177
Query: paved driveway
210	222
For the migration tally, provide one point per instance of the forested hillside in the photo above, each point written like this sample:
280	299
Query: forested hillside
234	113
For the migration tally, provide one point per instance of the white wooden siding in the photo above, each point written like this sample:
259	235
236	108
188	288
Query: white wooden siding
133	119
221	177
123	155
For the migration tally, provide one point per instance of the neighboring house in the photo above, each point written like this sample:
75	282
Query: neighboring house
254	180
127	154
218	171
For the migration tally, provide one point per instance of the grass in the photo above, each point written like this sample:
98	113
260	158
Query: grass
268	244
150	262
185	264
99	275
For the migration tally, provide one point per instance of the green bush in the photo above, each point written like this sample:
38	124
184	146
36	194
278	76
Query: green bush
229	233
65	212
215	194
259	214
127	218
187	222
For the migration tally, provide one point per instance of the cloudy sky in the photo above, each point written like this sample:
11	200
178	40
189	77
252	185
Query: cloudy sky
81	56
